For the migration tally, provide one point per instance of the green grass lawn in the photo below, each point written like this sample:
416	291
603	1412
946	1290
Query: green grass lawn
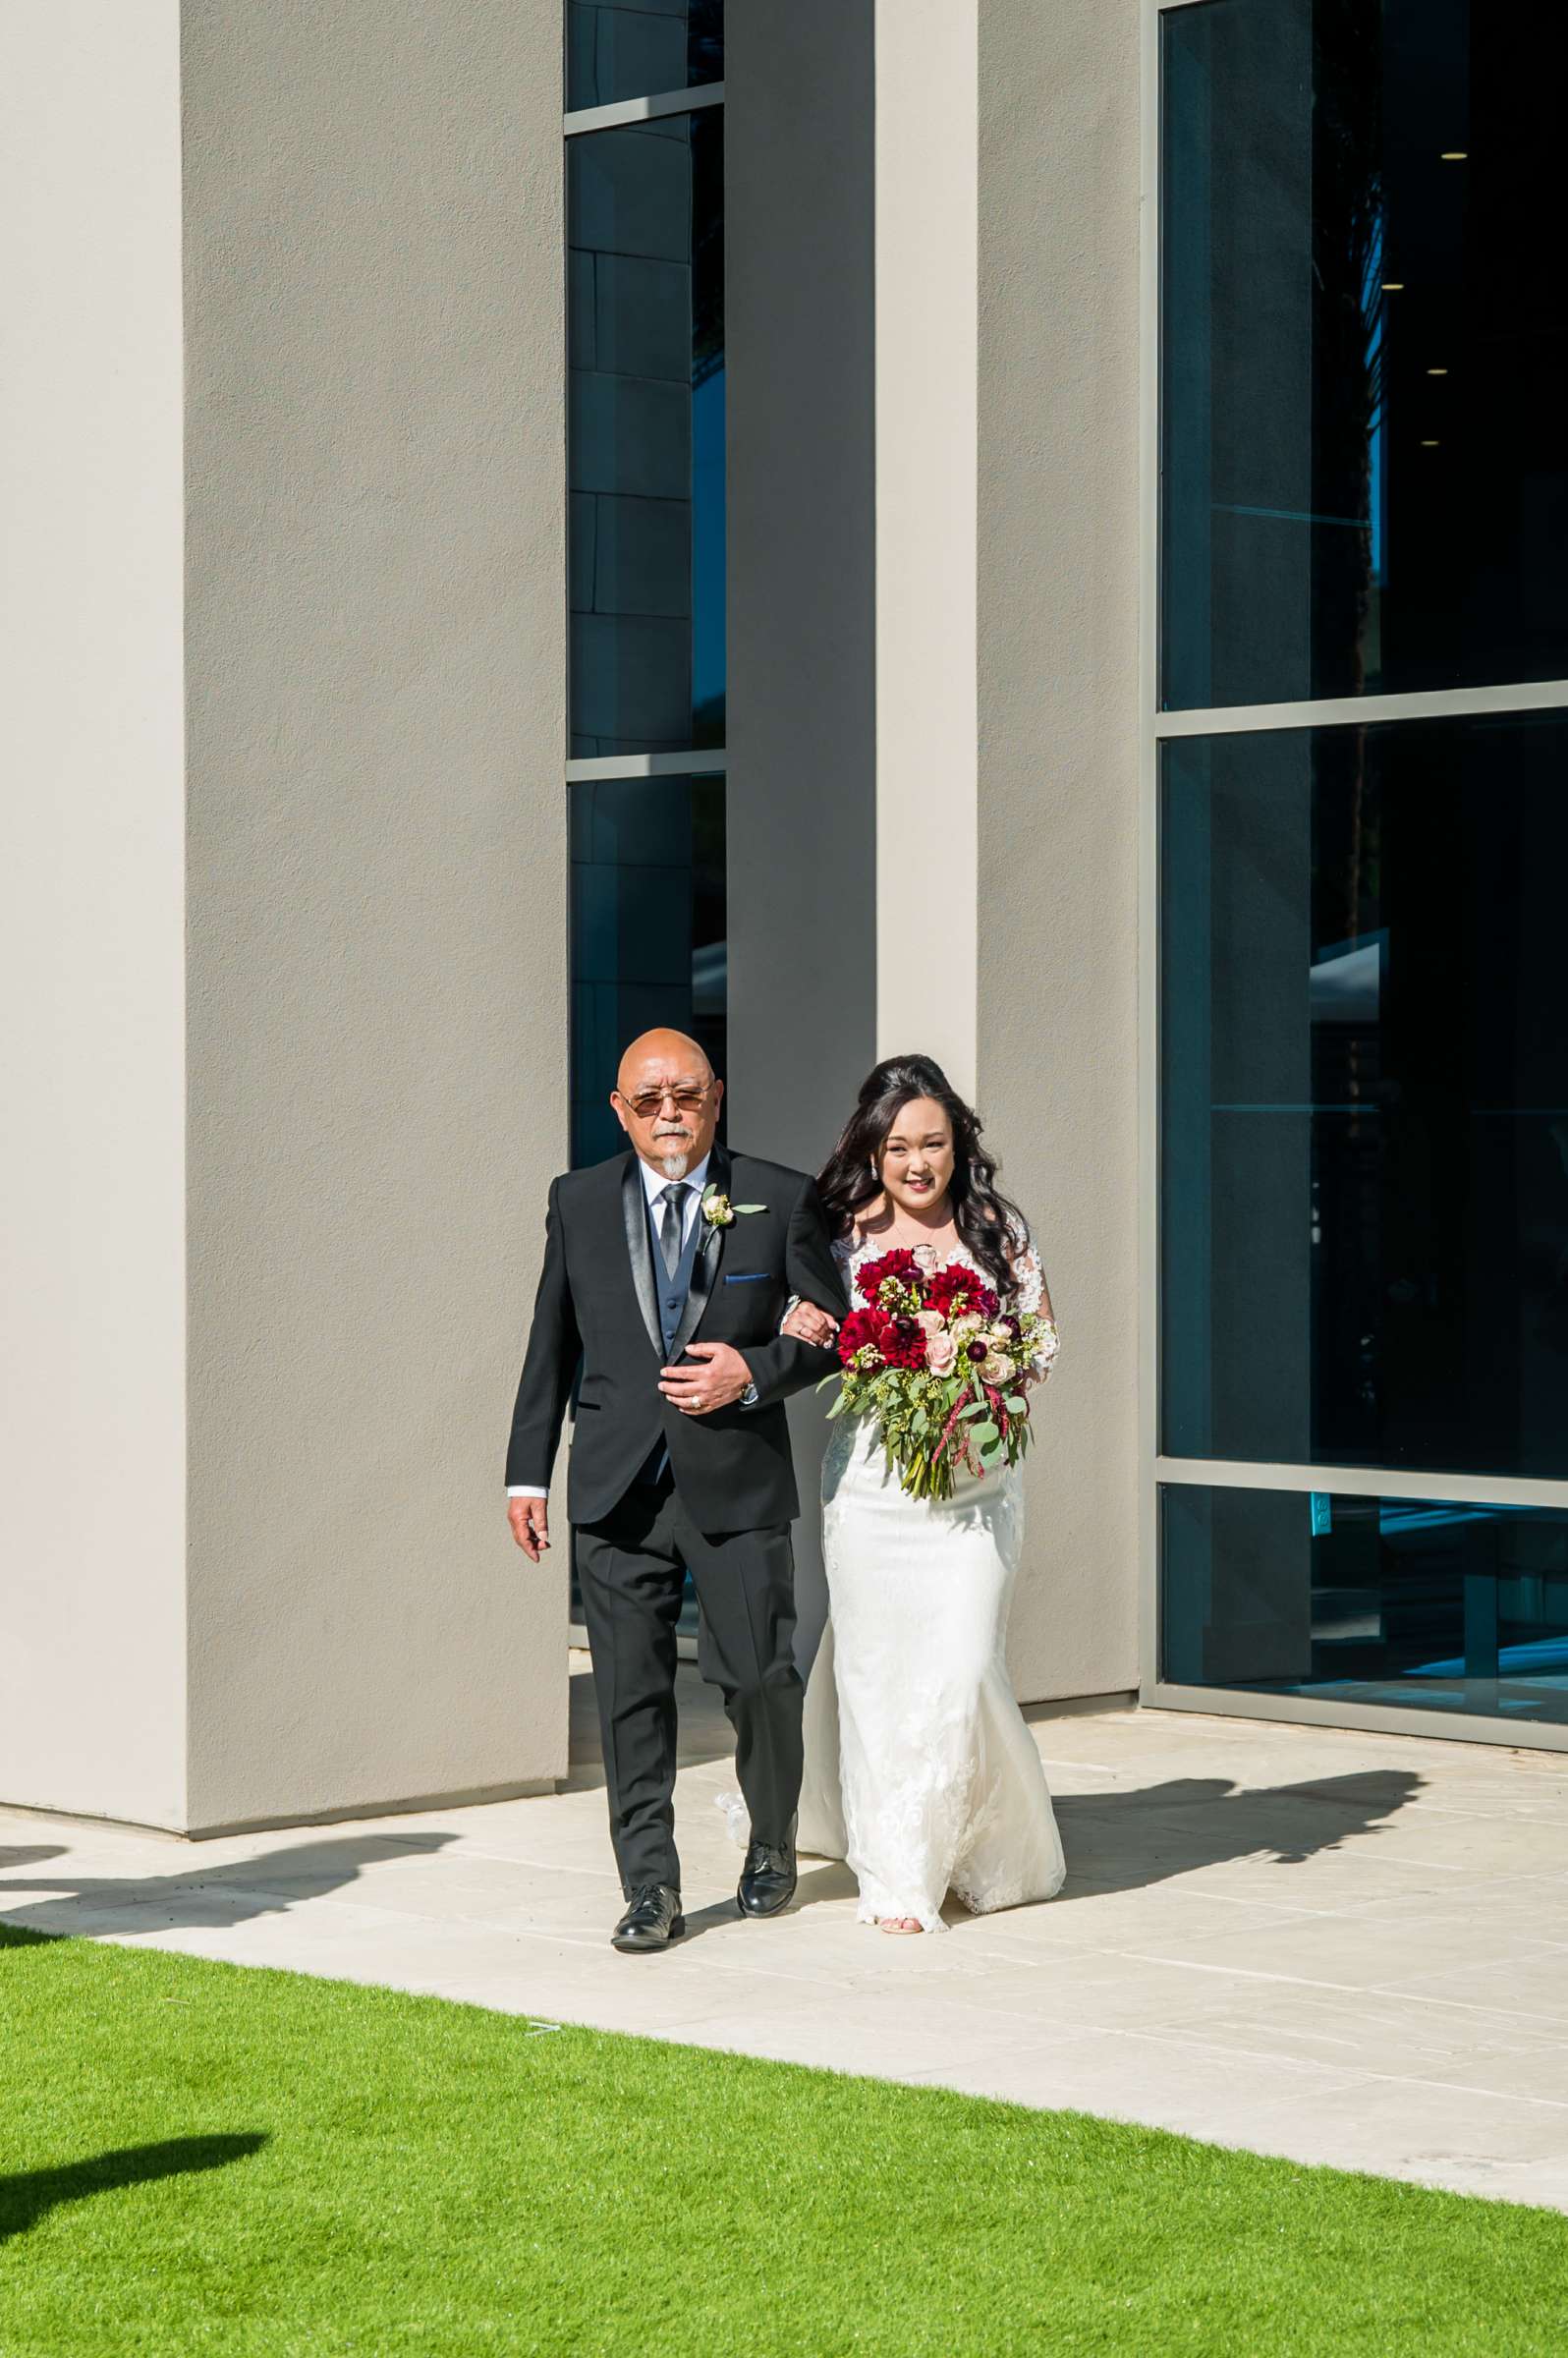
199	2157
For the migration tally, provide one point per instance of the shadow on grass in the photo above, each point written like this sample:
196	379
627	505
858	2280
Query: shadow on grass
29	2194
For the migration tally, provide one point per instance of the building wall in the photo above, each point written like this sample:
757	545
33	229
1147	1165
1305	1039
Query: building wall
92	911
934	759
799	198
377	882
800	229
1058	598
926	641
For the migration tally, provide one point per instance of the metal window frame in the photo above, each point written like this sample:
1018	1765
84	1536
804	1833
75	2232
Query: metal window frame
1156	1470
640	110
694	762
1426	704
698	761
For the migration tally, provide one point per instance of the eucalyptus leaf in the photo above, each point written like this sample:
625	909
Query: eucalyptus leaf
984	1434
1016	1405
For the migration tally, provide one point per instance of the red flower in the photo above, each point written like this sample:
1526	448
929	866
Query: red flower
899	1264
860	1329
954	1289
903	1343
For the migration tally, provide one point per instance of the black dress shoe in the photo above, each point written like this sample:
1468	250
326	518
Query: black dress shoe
768	1878
652	1920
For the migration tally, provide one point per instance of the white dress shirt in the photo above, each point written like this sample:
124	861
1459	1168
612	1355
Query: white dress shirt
656	1187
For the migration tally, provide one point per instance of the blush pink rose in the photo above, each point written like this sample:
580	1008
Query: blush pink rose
932	1320
941	1354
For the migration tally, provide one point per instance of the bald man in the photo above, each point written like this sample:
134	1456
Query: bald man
668	1275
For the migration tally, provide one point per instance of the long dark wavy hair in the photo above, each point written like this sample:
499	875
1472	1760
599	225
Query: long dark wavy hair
985	1221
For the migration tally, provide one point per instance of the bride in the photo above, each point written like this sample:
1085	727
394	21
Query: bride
919	1768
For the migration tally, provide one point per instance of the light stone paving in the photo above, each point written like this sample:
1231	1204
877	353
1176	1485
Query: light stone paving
1341	1948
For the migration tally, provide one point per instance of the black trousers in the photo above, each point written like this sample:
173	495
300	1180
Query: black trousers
631	1568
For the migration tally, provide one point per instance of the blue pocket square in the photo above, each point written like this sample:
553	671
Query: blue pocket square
748	1277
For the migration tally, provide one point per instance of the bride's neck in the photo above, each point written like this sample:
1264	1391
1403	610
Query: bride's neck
884	1214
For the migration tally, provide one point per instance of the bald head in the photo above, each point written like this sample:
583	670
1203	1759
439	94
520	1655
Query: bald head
667	1056
667	1101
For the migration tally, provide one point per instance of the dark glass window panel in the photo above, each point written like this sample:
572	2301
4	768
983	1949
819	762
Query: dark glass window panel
1337	518
1364	1096
640	50
1372	1600
647	932
646	435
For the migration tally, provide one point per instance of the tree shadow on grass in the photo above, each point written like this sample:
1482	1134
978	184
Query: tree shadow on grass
29	2194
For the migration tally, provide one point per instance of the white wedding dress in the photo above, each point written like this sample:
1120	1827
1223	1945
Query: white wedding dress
919	1768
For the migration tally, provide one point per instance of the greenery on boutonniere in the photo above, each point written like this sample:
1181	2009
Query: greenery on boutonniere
720	1211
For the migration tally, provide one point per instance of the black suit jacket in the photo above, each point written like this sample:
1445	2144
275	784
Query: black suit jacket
596	1315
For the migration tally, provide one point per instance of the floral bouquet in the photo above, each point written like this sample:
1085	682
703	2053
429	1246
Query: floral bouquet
946	1375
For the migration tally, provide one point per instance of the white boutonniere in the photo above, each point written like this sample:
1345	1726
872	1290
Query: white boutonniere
720	1211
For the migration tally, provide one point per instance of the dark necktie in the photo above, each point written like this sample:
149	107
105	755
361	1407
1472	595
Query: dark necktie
672	1222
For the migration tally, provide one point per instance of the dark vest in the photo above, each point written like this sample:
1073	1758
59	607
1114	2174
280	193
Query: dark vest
673	1290
672	1294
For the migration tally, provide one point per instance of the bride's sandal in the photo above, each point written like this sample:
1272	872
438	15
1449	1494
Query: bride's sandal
899	1924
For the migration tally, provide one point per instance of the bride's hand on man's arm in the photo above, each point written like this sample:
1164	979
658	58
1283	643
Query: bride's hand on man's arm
809	1325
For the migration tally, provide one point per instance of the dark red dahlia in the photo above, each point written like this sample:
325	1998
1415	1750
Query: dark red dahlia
903	1343
860	1329
950	1288
899	1264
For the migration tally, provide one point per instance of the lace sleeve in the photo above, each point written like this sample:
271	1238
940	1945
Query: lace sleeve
1033	1296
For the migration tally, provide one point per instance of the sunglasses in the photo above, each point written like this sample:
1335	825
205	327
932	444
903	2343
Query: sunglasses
653	1101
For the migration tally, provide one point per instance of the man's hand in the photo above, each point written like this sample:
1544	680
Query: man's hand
697	1391
530	1519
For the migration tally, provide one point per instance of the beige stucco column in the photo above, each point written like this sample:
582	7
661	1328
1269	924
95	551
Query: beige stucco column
933	249
1059	777
93	1506
926	395
291	882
